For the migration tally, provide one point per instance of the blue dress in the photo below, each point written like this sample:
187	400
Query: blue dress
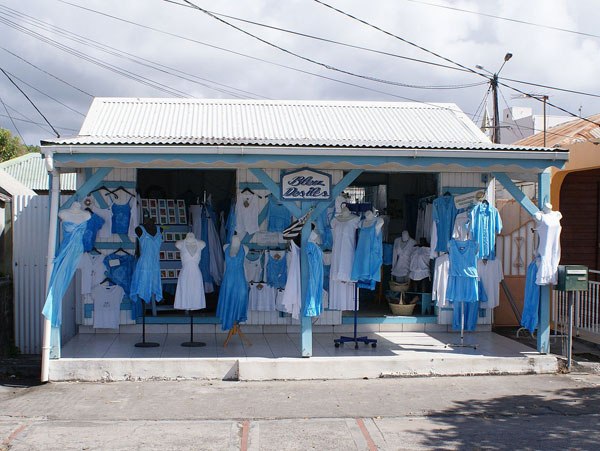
462	279
146	276
444	213
65	265
366	268
120	273
94	224
121	214
531	303
313	302
233	295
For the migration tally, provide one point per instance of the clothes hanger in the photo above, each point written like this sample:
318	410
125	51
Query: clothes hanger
121	250
95	250
248	190
107	279
485	201
447	193
121	188
100	188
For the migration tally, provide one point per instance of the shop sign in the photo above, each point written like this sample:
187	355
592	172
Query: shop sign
306	184
468	199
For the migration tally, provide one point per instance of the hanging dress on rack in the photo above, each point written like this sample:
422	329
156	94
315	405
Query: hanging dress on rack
121	215
200	229
233	296
215	248
65	265
341	288
548	229
313	303
366	269
146	276
289	302
189	294
463	286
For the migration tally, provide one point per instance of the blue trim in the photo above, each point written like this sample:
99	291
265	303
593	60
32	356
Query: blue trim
90	184
295	171
461	189
390	320
88	309
516	193
307	160
114	245
273	187
179	320
543	331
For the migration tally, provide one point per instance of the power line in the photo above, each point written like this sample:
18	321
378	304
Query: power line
28	121
572	91
31	101
444	58
516	123
12	121
122	54
508	19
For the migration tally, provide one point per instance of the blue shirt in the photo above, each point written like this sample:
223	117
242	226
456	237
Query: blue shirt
485	224
444	212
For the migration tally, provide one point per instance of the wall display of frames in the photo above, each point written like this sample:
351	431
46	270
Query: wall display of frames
171	237
166	211
170	273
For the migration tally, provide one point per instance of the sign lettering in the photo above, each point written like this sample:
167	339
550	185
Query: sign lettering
306	184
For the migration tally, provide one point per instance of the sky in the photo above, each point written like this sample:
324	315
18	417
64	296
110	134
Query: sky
214	60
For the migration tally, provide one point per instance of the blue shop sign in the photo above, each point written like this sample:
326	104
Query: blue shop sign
306	184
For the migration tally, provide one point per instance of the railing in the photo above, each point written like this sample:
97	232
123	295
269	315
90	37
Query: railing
516	249
586	320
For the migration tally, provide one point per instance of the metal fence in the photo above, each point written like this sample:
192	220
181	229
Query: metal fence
586	319
6	317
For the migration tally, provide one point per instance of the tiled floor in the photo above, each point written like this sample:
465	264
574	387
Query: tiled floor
390	344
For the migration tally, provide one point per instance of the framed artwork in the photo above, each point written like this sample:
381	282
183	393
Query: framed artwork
162	203
163	273
170	255
177	255
153	203
171	203
170	273
162	255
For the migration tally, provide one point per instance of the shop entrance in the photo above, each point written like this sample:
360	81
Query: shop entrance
401	199
167	196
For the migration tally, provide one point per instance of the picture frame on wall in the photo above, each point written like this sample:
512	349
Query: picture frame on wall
163	273
162	255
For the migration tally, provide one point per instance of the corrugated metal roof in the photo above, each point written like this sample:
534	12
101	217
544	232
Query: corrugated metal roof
30	170
572	132
134	121
13	186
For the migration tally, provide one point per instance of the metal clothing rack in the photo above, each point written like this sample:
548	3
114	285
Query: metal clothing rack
462	343
354	338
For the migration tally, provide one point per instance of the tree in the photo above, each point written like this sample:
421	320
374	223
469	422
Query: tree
11	146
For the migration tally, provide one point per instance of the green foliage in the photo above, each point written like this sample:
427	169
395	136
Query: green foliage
11	146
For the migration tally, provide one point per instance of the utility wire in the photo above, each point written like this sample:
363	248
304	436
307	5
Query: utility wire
47	73
122	54
28	121
572	91
313	61
447	59
581	33
47	95
12	121
516	123
30	101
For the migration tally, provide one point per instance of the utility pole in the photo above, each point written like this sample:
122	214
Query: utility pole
494	85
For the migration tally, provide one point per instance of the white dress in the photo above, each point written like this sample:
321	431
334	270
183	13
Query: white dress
190	286
440	281
402	252
344	247
246	214
549	229
292	296
490	274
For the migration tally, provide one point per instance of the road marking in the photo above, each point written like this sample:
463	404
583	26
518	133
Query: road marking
366	434
244	444
16	432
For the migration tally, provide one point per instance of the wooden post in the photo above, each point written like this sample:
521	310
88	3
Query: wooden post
543	332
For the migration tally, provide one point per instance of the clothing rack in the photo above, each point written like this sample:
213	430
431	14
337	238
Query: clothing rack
462	343
354	338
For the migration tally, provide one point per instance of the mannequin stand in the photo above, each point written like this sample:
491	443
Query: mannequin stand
192	343
144	343
462	332
355	339
233	331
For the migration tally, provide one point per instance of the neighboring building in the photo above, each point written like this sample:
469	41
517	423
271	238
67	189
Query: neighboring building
30	170
519	122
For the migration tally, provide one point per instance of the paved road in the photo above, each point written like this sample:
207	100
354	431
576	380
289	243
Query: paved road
485	412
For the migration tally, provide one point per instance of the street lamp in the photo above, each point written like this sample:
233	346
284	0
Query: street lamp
494	84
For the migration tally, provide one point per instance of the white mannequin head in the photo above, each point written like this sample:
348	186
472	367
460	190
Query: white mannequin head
345	211
405	236
547	207
190	236
368	214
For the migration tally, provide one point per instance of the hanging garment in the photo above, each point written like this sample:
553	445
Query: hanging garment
65	265
323	226
292	295
462	282
490	275
326	270
106	214
411	213
485	225
341	295
276	269
215	249
233	295
531	301
200	229
134	219
440	280
548	229
92	271
121	216
189	294
146	276
253	267
366	269
230	224
344	248
279	217
428	221
419	268
444	212
222	229
261	297
388	254
246	214
403	251
120	269
94	224
462	227
420	223
313	302
107	306
470	313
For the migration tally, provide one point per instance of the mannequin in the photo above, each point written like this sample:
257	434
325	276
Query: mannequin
546	209
191	243
548	229
149	225
403	250
345	215
74	214
234	247
405	236
370	218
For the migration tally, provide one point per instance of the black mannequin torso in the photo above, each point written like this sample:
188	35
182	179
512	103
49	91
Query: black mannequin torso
150	227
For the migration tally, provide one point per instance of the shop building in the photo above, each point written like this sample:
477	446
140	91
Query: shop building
173	153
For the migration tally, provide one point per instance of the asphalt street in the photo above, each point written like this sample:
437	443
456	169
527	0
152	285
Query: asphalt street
483	412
